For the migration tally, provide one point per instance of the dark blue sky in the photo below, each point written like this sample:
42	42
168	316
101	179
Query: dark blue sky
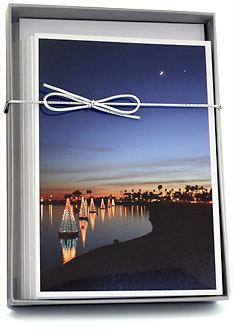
108	154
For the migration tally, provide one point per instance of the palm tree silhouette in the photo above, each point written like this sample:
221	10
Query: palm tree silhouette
159	187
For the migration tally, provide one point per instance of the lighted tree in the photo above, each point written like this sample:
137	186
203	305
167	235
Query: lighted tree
68	224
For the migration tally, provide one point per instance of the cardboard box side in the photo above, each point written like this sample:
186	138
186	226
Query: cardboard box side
211	35
9	160
109	14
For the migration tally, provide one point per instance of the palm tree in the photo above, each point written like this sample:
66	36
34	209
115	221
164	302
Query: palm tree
192	188
202	189
77	193
187	188
159	188
67	196
139	194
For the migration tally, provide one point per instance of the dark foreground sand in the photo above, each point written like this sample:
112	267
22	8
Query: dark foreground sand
177	254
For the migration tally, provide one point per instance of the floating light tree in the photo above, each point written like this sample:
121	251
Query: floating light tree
68	227
108	203
92	208
102	204
83	214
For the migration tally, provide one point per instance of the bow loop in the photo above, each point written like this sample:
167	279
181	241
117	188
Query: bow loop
78	102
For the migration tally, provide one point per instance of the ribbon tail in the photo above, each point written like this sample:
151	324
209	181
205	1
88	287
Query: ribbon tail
114	112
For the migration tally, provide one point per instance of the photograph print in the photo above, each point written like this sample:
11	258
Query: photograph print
128	207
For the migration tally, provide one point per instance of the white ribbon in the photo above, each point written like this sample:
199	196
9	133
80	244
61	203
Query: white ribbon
80	102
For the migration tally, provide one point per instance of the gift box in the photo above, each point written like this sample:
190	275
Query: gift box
122	228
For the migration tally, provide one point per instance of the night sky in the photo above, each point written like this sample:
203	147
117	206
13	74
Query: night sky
108	154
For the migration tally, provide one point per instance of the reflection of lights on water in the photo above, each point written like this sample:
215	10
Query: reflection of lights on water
92	217
83	229
68	249
98	233
141	213
42	208
51	215
102	214
113	211
109	212
121	211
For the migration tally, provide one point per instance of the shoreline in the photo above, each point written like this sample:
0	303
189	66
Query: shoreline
177	252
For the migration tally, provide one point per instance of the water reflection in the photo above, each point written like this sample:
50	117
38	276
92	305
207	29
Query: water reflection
99	229
141	210
113	211
92	217
109	212
51	214
103	214
121	212
83	229
126	212
41	211
68	248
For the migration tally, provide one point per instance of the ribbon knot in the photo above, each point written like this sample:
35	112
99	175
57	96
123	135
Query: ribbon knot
79	102
92	104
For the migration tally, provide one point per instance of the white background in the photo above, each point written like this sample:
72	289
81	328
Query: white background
163	316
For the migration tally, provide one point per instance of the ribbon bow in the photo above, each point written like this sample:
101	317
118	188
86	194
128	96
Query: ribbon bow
80	102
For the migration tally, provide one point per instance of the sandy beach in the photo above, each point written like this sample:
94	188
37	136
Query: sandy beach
177	254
